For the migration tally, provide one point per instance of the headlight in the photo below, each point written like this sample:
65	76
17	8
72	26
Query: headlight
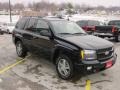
113	48
88	55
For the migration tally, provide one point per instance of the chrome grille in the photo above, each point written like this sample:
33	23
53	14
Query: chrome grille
105	54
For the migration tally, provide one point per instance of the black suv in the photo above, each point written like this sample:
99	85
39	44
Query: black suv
65	43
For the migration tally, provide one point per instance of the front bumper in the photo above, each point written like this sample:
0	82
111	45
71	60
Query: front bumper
95	66
106	34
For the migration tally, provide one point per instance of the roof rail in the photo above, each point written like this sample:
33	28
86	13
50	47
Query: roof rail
34	16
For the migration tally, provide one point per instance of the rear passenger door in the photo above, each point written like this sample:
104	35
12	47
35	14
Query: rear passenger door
43	43
29	32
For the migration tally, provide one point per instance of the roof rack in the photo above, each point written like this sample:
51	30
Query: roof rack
59	17
34	16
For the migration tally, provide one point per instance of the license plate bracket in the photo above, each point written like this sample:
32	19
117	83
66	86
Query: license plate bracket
109	64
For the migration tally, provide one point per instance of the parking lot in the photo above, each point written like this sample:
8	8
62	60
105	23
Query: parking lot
36	73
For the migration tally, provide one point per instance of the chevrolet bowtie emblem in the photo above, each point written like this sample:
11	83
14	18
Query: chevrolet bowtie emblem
107	52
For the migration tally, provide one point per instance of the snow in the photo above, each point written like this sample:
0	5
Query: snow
6	18
103	19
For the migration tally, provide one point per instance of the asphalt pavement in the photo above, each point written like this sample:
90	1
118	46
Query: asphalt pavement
37	73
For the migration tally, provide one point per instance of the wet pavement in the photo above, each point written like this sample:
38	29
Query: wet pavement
37	73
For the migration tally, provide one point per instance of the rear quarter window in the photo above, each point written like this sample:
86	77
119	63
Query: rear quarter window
21	23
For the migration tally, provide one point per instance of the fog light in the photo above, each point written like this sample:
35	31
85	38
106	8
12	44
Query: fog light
89	68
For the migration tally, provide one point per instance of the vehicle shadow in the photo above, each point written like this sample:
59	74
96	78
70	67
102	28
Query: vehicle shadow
39	69
44	61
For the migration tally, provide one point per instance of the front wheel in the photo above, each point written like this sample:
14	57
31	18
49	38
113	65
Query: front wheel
20	49
117	38
8	31
1	33
64	67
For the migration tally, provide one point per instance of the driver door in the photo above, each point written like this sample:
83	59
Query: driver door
43	44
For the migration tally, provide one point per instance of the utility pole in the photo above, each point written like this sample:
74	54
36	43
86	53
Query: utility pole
10	11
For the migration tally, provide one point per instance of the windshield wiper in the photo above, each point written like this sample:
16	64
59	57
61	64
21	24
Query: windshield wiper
72	33
80	33
64	33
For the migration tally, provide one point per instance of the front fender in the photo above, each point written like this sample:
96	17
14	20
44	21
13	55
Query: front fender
71	52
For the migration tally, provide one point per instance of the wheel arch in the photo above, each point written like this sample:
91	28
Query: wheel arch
62	50
17	39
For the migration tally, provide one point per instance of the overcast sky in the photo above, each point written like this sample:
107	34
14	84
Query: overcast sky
90	2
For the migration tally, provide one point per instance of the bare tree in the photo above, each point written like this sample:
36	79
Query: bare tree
30	5
70	6
62	6
52	7
5	6
43	6
18	6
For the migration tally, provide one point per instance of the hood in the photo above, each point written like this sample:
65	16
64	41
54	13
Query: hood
88	41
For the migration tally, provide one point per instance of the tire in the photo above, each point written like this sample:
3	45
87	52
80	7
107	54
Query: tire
63	73
8	31
1	33
117	38
20	49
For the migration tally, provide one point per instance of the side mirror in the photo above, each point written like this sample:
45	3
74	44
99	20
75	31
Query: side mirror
45	33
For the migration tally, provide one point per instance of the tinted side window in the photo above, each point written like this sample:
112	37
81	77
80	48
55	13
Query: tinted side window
82	23
93	23
114	23
42	25
31	25
21	23
111	23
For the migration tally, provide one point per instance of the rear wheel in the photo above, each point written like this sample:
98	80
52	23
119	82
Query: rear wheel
64	67
20	49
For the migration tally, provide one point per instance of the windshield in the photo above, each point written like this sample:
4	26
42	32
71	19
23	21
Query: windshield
66	27
89	23
117	23
82	23
93	23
